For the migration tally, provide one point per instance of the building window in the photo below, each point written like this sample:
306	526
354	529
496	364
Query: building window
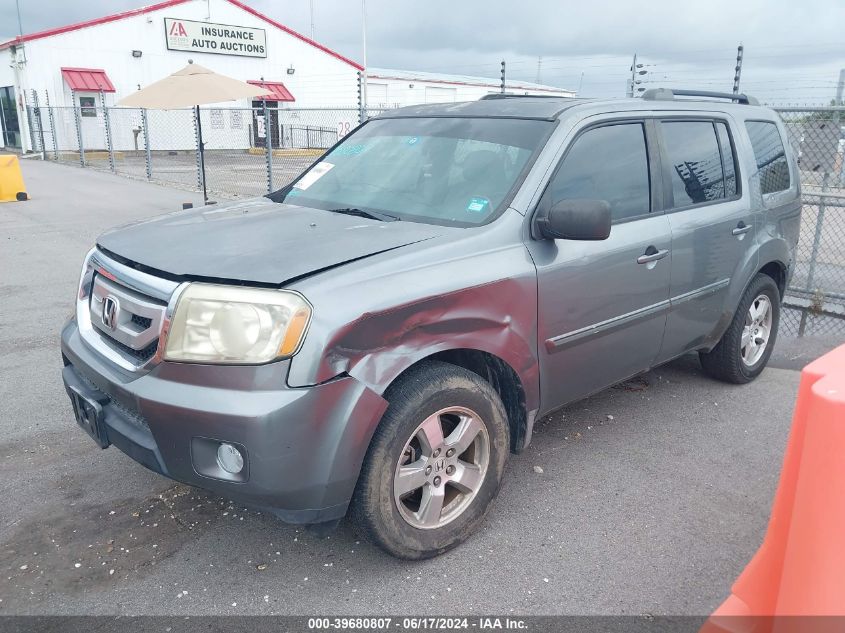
10	135
87	106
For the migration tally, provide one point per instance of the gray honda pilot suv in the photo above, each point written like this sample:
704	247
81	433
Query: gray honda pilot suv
375	338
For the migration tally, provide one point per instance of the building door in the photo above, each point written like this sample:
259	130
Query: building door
11	133
260	127
91	120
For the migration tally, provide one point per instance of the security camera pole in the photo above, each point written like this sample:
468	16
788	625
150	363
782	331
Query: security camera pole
738	69
633	76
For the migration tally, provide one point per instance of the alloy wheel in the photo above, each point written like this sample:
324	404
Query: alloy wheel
757	330
442	468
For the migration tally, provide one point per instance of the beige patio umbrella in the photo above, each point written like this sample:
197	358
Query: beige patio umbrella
192	87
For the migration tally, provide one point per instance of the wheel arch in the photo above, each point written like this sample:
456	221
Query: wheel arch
773	268
501	376
777	270
768	262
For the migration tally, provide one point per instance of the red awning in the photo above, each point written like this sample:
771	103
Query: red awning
87	79
276	90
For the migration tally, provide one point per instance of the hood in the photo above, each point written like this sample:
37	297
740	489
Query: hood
257	240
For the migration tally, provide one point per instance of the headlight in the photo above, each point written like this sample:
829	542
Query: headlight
236	325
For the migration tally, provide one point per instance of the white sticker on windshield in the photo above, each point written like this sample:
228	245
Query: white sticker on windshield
317	171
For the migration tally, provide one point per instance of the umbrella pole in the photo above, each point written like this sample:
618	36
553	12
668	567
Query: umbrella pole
202	156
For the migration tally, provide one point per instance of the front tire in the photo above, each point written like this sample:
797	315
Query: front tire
435	463
745	348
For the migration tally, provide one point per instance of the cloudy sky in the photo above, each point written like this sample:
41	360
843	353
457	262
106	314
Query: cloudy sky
793	48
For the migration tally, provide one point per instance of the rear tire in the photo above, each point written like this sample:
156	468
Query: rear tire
421	493
745	347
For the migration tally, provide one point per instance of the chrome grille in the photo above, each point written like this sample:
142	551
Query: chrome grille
140	355
143	322
122	312
137	319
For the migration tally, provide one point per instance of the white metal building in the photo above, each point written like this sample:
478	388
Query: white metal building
389	88
119	53
80	67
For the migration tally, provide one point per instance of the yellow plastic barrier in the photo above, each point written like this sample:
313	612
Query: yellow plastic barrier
11	179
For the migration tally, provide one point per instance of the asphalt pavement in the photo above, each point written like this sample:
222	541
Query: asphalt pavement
648	498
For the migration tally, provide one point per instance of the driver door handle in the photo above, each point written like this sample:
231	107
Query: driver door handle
741	228
652	255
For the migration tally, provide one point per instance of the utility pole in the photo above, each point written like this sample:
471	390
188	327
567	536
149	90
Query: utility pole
630	92
502	87
20	24
738	69
840	88
311	9
364	42
20	81
539	67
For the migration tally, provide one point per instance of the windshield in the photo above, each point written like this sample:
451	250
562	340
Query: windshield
436	170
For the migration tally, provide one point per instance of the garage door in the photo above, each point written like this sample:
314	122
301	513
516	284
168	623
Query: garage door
377	95
434	94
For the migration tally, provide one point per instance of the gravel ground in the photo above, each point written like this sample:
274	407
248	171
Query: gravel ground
648	498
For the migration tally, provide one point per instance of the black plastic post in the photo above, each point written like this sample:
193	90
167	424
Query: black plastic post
202	156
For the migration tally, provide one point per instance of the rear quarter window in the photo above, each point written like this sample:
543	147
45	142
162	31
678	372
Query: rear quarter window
769	155
728	159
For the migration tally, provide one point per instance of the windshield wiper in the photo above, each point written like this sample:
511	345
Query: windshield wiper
373	215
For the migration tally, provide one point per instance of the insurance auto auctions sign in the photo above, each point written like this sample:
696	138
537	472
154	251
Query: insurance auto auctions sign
223	39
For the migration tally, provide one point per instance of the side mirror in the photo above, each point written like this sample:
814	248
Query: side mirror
577	220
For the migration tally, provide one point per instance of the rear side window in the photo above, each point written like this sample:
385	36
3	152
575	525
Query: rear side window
728	159
694	161
770	155
607	163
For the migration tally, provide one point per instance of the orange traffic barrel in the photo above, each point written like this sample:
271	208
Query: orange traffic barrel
796	580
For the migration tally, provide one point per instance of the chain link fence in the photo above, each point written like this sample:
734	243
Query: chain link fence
252	151
247	151
815	299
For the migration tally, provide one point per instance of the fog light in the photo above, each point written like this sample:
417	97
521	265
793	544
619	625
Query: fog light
230	459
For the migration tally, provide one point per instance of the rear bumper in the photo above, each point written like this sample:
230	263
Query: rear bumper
304	447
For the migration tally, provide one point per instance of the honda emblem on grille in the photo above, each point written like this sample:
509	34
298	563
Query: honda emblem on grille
111	309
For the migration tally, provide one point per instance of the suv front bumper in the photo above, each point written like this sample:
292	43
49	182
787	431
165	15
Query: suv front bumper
303	447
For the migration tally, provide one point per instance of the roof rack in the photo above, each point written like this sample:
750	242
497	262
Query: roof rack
669	94
511	95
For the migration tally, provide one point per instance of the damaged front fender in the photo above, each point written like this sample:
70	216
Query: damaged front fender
373	320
